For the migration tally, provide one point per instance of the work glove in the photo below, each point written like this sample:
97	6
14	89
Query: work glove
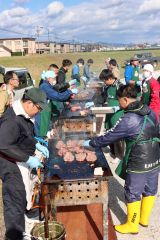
34	162
89	104
74	91
72	82
86	143
139	83
116	108
42	149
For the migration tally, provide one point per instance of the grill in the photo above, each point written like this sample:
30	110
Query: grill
84	95
73	183
73	122
56	166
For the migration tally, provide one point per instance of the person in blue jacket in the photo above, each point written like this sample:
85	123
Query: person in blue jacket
55	103
131	73
140	166
76	71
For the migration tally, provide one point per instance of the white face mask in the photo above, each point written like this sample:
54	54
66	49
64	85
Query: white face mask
147	74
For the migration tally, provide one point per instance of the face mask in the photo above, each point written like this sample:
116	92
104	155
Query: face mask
146	74
53	82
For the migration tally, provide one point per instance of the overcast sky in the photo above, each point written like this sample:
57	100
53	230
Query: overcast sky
114	21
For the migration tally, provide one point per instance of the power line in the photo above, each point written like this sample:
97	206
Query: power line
11	31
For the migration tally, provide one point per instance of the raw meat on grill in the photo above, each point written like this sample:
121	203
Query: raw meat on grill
84	112
75	108
80	157
73	150
62	151
91	157
60	144
82	95
77	126
78	149
68	157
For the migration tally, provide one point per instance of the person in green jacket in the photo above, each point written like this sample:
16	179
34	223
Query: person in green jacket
110	98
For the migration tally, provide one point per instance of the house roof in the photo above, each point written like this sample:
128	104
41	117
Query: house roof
29	38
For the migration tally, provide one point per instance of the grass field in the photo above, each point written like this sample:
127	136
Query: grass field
37	63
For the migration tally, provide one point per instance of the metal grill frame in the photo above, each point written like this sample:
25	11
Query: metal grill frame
79	192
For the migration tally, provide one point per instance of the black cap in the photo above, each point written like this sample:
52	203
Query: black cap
37	96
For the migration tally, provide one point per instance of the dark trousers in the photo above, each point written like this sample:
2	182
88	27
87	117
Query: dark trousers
141	184
14	199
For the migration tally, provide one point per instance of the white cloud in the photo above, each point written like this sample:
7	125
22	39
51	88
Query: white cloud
149	6
20	1
55	8
109	21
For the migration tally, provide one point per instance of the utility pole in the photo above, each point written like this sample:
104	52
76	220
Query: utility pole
38	33
48	40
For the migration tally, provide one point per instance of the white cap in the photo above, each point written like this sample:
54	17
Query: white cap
148	67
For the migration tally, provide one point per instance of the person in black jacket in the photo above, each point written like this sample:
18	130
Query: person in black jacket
18	145
141	164
61	77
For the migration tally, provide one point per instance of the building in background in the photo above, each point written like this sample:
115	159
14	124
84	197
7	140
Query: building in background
5	52
19	46
52	47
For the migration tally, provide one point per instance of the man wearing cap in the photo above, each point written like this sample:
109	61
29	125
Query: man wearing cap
131	73
17	146
151	90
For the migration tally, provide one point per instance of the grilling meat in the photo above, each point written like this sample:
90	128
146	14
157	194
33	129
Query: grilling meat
80	157
84	112
62	151
91	157
60	144
68	157
75	108
82	95
73	150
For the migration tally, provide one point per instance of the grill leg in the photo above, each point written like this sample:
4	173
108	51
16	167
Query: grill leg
105	221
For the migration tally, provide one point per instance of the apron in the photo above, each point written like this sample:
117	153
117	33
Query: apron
146	95
121	169
111	119
45	117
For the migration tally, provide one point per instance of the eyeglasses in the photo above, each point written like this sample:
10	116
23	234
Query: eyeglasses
38	107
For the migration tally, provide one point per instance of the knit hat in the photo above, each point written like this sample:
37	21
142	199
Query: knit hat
148	67
50	74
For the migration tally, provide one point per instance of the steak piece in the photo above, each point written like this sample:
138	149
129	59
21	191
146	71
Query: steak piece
91	157
60	144
80	157
62	152
68	157
78	149
84	112
75	108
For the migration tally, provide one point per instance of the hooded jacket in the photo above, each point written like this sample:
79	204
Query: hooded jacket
53	94
145	154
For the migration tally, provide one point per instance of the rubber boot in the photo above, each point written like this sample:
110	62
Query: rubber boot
146	208
133	217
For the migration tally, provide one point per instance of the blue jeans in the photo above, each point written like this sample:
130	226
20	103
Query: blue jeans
137	184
